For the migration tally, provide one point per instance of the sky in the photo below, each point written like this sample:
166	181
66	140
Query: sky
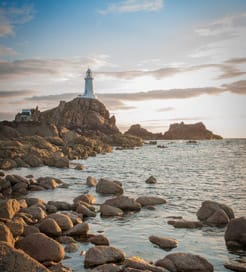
154	62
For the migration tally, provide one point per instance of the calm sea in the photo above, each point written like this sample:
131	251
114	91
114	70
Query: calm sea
187	174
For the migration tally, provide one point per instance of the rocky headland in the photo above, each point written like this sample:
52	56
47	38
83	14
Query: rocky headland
177	131
72	130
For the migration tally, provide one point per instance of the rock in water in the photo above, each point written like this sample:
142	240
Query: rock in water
105	186
107	211
215	213
124	203
185	262
103	254
235	234
150	200
163	242
189	132
41	247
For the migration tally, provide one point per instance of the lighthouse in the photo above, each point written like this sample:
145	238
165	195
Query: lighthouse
89	92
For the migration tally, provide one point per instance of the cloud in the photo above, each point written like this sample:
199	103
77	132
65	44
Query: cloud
236	61
6	30
6	116
224	26
130	6
7	51
16	94
165	109
238	87
13	15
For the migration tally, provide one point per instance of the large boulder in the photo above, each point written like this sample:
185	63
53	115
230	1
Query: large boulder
215	213
47	182
36	212
185	262
124	203
12	259
105	186
108	211
90	199
99	240
163	242
150	200
235	234
16	227
6	235
41	247
63	220
50	227
8	208
101	255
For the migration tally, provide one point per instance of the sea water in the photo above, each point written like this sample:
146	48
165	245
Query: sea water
186	174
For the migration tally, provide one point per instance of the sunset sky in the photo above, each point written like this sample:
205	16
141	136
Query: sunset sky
155	62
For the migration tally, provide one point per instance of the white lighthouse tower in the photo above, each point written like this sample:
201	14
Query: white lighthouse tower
89	92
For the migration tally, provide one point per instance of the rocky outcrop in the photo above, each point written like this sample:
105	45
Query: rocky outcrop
138	131
196	131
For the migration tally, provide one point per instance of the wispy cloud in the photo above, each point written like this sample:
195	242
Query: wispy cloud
130	6
13	15
224	26
16	94
165	109
7	51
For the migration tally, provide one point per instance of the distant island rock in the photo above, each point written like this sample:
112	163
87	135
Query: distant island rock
182	131
138	131
72	130
177	131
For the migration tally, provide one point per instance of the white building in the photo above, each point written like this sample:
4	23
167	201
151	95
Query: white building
89	92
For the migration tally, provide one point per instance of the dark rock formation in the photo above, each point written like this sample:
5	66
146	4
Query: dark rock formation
73	130
138	131
183	131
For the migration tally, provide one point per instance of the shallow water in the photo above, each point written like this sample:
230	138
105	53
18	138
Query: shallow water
187	174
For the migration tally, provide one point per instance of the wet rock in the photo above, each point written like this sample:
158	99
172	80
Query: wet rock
150	200
28	230
65	240
185	224
101	255
8	208
85	211
215	213
124	203
163	242
6	235
51	209
90	199
235	234
89	206
79	167
61	205
75	217
2	174
107	211
35	212
91	181
99	240
7	164
151	180
59	267
105	186
137	263
64	221
107	268
4	183
78	230
41	247
20	188
185	262
71	247
32	160
50	227
236	266
16	228
16	260
34	201
47	182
